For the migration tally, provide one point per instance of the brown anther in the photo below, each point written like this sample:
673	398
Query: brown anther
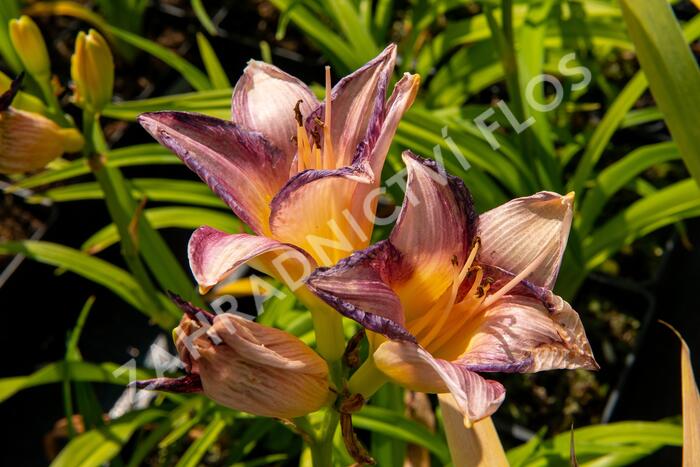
476	242
454	260
318	122
480	292
293	139
351	356
489	280
297	113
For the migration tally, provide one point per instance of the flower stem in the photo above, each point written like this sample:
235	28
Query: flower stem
367	379
330	338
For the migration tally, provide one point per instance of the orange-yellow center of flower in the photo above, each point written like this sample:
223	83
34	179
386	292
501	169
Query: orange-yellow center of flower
312	153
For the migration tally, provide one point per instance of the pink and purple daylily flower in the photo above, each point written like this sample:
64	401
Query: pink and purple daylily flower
452	294
296	176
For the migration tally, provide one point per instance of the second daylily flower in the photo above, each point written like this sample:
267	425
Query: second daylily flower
452	294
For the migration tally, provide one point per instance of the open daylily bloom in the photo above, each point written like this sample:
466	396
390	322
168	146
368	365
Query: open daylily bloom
296	170
246	366
451	294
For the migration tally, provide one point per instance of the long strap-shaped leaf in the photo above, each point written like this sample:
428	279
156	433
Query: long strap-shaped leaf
673	74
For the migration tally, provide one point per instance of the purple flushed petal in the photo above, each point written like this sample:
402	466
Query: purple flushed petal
528	230
239	165
358	102
191	383
356	287
264	99
215	254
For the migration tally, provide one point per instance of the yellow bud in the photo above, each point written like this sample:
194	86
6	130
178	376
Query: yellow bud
29	141
92	70
30	46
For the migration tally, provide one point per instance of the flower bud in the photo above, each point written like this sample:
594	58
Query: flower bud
29	141
253	368
30	46
92	70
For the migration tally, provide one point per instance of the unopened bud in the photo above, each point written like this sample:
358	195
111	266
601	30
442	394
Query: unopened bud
30	46
92	70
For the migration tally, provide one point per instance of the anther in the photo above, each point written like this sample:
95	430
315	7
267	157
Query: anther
297	113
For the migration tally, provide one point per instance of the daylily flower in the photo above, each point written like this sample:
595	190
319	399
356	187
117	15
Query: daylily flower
297	171
451	294
246	366
28	140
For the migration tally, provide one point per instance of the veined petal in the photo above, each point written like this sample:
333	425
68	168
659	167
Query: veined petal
434	231
258	369
522	333
534	228
240	166
264	99
215	254
413	367
358	106
357	288
317	211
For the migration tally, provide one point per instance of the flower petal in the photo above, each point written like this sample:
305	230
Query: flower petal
316	210
240	166
521	333
413	367
215	254
357	288
357	102
264	99
534	228
254	368
434	232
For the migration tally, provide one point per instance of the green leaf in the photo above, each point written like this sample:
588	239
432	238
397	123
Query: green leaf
216	72
144	154
189	72
97	270
204	19
387	450
617	175
71	371
395	425
154	189
167	217
666	206
673	73
98	446
197	450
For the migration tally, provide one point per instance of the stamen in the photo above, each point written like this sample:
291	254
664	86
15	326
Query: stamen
517	279
302	140
297	113
456	282
328	158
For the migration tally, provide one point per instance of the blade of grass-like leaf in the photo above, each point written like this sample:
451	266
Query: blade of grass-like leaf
216	72
147	154
9	9
617	175
672	72
641	116
383	11
396	426
347	19
155	189
334	47
197	450
97	270
668	205
204	19
387	450
189	72
166	217
73	371
244	444
94	448
615	115
691	405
